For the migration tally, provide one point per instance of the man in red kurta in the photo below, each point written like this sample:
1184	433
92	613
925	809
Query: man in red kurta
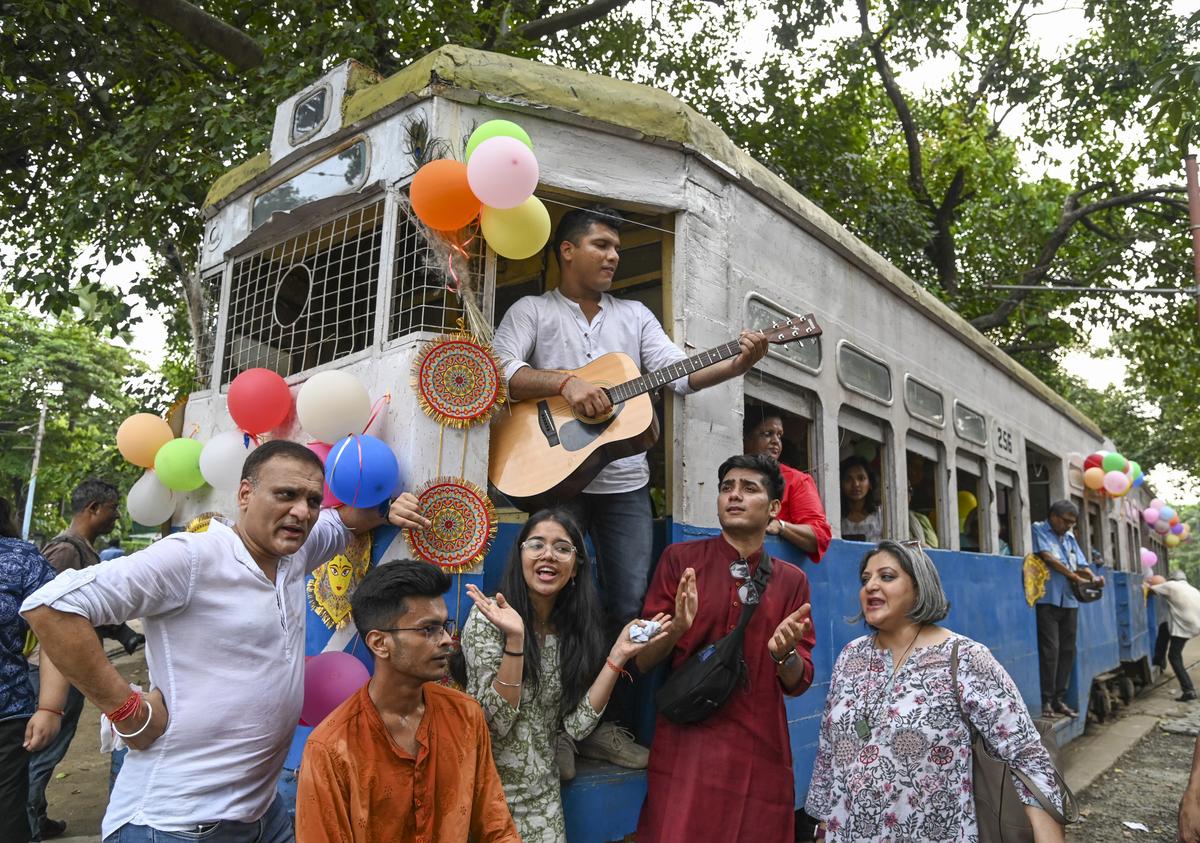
801	519
729	777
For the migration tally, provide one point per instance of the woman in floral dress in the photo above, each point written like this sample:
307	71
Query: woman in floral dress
535	660
894	759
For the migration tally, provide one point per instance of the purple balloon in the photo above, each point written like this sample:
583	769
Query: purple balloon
329	680
502	172
1178	528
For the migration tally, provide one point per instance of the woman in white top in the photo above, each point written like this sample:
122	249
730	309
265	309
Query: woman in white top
862	518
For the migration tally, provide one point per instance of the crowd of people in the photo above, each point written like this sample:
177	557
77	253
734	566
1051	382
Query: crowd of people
547	662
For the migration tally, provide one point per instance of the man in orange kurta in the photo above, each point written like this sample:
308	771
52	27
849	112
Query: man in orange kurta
403	759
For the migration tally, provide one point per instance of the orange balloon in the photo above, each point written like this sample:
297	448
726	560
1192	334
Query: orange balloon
441	197
140	436
1093	478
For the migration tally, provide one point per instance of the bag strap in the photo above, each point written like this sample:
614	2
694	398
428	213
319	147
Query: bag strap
761	579
1043	800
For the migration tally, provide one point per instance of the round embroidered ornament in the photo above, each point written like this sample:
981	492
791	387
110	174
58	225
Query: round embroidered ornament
463	524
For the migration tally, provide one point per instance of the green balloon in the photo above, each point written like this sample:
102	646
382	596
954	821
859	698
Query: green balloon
1113	462
497	129
1134	469
177	465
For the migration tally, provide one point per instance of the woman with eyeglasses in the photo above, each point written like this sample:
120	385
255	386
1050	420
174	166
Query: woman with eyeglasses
535	659
894	752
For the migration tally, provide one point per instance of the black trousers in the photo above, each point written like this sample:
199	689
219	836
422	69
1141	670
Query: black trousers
1175	657
1056	650
14	782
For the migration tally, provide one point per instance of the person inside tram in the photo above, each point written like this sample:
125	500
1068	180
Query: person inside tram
920	528
968	521
862	518
801	518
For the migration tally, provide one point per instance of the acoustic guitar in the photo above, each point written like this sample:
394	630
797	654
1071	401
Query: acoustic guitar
543	453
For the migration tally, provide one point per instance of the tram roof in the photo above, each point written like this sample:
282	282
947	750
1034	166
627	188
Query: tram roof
641	113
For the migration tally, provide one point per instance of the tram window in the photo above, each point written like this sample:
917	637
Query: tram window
923	499
766	423
1006	514
1095	528
970	513
924	402
969	424
1080	527
805	354
862	490
1114	541
863	373
1038	474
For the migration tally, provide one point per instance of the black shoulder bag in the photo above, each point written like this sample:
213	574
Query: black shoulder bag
703	683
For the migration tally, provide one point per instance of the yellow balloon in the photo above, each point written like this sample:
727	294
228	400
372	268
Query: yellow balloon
1172	540
517	233
140	436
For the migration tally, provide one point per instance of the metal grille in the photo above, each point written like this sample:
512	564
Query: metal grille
206	345
308	300
420	299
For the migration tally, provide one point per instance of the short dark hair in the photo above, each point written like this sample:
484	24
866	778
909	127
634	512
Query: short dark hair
93	490
379	598
756	416
275	449
8	521
761	463
578	222
1064	508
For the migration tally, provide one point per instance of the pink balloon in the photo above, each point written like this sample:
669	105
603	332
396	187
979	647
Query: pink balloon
329	680
1149	558
1116	482
1157	503
502	172
1150	514
322	451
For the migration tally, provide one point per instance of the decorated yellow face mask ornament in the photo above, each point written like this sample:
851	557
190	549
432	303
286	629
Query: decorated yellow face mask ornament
331	584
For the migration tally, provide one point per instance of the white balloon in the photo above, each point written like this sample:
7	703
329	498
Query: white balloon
222	458
149	502
332	405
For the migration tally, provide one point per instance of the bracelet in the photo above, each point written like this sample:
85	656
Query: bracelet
51	710
781	662
126	709
149	717
500	681
511	653
620	670
564	383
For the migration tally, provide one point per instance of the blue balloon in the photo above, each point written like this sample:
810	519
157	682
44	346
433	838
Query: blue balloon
362	471
1166	513
1139	480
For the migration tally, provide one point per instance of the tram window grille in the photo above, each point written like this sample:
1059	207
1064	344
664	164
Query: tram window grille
308	300
421	301
206	343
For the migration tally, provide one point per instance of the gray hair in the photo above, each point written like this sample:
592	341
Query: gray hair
1064	508
1178	574
931	604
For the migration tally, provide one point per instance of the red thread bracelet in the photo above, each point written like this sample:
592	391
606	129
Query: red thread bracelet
127	709
614	666
564	383
51	710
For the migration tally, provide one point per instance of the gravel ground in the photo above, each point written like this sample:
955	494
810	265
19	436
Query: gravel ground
1144	786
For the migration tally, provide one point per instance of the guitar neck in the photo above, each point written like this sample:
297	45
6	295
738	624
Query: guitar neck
663	376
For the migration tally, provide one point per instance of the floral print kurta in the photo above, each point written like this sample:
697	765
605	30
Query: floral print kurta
523	740
910	779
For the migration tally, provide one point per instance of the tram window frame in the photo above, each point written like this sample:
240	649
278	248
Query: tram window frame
975	466
776	312
853	423
845	346
1052	465
1095	517
960	426
1011	517
939	420
931	483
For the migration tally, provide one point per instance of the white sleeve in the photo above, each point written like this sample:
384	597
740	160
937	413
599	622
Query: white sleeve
151	582
515	339
328	537
657	350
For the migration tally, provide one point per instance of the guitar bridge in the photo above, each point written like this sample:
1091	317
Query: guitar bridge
546	423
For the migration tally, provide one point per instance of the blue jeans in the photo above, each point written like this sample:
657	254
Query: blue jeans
43	762
274	827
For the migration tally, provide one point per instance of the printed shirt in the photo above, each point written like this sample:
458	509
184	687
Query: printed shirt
225	646
802	505
910	779
358	786
524	739
23	570
1065	549
550	332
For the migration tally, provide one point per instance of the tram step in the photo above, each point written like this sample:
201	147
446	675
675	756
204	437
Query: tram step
602	802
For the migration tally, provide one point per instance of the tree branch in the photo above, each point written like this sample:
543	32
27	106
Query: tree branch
999	60
204	30
569	19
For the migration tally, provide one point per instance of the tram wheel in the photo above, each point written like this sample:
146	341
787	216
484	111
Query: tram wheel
1127	689
1101	704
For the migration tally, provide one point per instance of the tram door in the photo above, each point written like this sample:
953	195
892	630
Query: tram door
1045	486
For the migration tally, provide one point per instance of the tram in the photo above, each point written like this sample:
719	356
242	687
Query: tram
311	262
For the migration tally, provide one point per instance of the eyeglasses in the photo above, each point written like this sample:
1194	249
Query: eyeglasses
432	632
562	551
748	593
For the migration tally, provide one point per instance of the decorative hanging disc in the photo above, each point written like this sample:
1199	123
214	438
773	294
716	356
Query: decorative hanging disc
463	524
331	584
1034	574
458	380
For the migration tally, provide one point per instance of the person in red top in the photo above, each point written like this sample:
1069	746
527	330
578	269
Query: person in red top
801	519
729	777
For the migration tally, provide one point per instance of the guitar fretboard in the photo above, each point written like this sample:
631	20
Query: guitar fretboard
663	376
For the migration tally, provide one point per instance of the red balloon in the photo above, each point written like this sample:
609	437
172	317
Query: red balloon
1174	520
1093	461
259	400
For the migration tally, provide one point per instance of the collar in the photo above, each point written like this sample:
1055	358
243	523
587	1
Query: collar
605	299
240	552
729	551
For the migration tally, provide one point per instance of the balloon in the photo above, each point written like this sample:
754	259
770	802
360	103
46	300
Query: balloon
259	400
1150	514
322	451
178	465
1149	557
1157	503
503	172
1187	531
496	129
1093	461
1177	529
333	404
1139	480
362	470
1093	478
1133	469
1166	512
1162	525
329	680
966	505
1113	462
1174	520
221	459
149	502
517	233
1116	483
140	436
441	197
1172	540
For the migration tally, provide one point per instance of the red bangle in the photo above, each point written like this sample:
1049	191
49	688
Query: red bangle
617	668
51	710
127	709
564	383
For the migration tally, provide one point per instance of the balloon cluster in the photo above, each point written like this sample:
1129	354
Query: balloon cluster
1165	521
496	184
1111	473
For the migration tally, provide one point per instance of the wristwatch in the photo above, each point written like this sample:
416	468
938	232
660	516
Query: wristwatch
385	507
786	660
783	525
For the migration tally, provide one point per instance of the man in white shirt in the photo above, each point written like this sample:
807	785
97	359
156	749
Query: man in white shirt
1183	602
538	340
224	621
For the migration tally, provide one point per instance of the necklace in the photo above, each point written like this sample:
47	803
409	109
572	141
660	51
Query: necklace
862	726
